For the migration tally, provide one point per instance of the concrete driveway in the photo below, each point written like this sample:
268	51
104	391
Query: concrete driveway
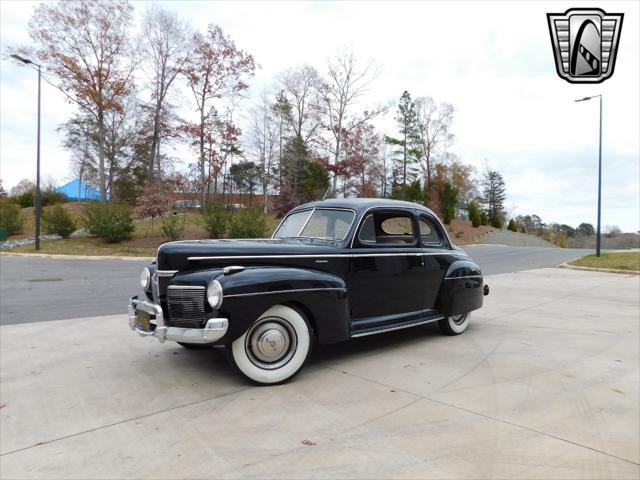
544	384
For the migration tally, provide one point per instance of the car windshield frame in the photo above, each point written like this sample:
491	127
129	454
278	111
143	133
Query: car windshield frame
312	211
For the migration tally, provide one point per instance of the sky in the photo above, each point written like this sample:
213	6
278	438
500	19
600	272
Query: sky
492	60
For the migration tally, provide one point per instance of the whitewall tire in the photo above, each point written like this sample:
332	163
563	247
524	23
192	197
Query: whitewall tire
454	325
274	348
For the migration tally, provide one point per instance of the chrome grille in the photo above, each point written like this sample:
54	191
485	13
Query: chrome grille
186	305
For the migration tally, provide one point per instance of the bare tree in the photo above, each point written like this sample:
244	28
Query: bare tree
164	43
301	87
265	139
83	141
346	83
435	137
86	45
386	166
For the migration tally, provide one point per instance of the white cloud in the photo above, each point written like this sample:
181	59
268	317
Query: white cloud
492	60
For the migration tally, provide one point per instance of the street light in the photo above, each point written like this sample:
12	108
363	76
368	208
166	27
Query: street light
26	61
599	172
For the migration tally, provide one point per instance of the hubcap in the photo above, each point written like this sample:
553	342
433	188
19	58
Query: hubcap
271	343
459	319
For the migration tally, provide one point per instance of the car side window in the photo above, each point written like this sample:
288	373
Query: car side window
387	229
429	233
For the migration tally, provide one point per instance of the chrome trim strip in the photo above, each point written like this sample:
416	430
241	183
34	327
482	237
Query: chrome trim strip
233	269
166	273
329	255
466	276
190	287
293	290
306	222
398	327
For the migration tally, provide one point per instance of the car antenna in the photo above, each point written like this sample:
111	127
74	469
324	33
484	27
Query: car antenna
326	192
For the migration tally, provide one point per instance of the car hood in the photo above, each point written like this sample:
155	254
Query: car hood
175	255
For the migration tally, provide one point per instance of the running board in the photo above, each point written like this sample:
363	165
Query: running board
363	327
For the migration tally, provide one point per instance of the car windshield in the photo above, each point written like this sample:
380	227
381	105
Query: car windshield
317	223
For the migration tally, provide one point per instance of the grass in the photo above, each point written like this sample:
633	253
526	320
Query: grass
616	261
87	246
146	239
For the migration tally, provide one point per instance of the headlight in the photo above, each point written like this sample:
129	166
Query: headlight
214	294
145	278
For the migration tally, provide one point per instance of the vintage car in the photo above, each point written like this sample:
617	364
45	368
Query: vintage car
333	270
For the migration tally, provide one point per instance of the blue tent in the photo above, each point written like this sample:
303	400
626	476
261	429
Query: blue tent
76	190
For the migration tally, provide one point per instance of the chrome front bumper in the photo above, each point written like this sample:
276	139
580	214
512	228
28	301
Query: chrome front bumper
213	331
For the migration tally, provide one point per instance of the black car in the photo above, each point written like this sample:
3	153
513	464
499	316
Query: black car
333	270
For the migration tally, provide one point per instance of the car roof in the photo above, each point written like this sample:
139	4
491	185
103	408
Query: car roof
362	204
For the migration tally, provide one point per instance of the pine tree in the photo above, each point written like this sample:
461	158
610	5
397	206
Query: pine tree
408	152
494	197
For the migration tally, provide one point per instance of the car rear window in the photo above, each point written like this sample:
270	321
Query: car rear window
387	229
429	233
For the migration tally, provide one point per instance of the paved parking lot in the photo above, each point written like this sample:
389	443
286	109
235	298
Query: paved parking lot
544	384
40	289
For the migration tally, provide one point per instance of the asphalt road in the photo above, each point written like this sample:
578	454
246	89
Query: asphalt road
38	289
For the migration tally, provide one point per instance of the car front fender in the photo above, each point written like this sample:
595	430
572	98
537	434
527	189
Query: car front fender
320	296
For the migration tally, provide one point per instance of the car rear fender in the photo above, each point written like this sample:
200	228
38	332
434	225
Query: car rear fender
462	289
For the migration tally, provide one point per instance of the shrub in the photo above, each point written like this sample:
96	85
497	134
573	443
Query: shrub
474	214
484	219
449	196
173	226
215	219
248	223
24	200
112	223
496	220
11	217
512	225
47	197
57	220
411	192
459	234
51	197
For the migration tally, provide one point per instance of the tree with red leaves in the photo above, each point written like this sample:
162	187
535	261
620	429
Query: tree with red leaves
361	164
215	69
86	46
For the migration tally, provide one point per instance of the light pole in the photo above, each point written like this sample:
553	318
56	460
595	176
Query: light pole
599	172
26	61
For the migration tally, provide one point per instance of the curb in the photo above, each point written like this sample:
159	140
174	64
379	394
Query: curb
593	269
73	257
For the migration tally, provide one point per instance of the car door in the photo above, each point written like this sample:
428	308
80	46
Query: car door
435	259
386	266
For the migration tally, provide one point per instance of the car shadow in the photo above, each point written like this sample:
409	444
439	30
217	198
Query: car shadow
375	343
212	363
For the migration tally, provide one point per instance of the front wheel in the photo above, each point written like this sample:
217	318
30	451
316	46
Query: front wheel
454	325
274	349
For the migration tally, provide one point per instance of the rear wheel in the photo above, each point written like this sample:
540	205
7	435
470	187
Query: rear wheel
454	325
275	348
